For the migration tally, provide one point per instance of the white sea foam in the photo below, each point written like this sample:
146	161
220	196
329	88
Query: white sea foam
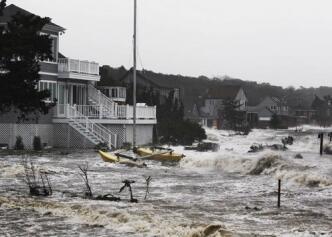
233	157
112	217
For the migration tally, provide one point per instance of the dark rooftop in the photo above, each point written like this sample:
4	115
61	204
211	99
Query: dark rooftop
12	9
223	92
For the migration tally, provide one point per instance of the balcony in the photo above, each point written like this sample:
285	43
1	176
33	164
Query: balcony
119	114
78	69
117	94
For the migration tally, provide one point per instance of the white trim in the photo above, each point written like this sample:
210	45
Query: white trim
48	81
50	62
264	119
49	34
79	76
48	73
111	121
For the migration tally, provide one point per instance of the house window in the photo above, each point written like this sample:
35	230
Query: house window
122	92
49	85
54	48
114	93
79	94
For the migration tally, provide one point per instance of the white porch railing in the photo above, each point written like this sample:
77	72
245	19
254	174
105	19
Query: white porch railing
96	130
78	66
105	104
114	93
142	112
98	112
121	112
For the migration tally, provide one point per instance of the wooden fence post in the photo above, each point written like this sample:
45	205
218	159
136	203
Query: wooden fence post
321	136
279	192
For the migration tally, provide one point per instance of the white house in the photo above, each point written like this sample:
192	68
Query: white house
83	115
210	112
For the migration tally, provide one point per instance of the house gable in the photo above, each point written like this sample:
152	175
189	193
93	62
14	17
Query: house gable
12	10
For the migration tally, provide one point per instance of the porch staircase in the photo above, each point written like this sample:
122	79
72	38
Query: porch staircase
96	133
107	107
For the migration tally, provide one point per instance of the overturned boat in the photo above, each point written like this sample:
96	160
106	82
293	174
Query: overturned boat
121	159
158	153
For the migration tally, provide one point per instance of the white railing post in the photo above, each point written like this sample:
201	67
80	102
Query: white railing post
100	111
116	112
67	110
127	111
99	96
86	124
67	61
75	111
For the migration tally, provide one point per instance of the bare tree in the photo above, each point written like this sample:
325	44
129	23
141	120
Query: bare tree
38	182
84	176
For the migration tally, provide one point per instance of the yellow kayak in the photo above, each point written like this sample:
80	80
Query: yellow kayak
112	158
158	154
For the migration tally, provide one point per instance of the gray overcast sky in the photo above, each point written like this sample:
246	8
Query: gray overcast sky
283	42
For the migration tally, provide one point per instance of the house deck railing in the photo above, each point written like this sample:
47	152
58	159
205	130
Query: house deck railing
78	66
100	112
97	130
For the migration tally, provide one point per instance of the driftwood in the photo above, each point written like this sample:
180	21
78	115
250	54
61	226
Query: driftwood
127	184
147	181
204	146
278	147
108	197
256	147
287	140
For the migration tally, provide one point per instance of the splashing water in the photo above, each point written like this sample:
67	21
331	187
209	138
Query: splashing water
226	193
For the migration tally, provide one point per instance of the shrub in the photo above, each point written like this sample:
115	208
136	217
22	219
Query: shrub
37	144
181	132
126	145
19	145
275	122
102	146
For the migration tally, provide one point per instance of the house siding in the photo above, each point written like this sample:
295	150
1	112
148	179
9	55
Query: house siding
143	134
44	77
48	67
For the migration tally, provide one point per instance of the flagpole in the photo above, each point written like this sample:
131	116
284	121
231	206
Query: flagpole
134	75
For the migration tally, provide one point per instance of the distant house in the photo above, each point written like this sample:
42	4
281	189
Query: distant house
304	115
121	76
209	110
261	114
83	115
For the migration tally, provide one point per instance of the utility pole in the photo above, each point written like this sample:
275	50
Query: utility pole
134	76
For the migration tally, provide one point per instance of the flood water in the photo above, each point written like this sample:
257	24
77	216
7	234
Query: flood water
231	188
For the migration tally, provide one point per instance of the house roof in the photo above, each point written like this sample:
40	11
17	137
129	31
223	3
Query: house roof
156	81
12	10
121	74
60	55
223	92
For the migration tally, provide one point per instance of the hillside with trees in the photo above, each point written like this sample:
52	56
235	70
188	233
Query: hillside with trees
194	88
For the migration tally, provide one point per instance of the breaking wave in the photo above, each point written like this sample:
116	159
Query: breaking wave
266	164
120	219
